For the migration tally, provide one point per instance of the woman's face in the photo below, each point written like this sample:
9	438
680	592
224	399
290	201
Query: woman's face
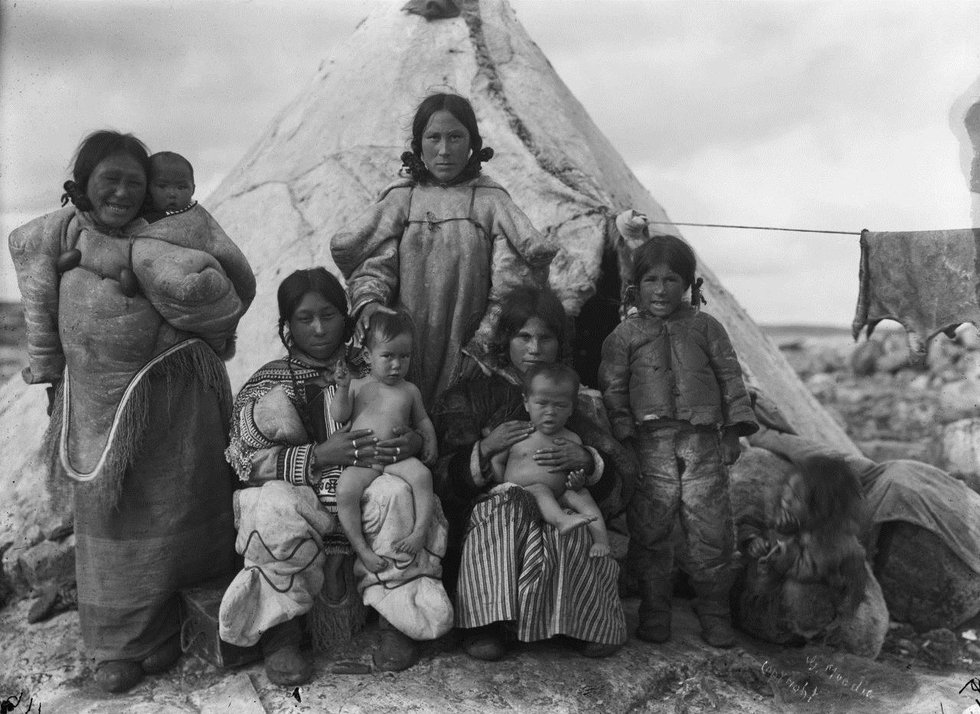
317	327
533	343
445	146
116	189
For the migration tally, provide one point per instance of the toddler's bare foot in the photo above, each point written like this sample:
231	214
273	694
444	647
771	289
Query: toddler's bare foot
570	523
410	544
371	560
599	550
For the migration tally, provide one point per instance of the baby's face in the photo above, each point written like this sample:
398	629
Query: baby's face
389	359
171	185
549	403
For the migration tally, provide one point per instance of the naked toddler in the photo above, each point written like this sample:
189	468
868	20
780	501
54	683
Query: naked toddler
550	392
381	401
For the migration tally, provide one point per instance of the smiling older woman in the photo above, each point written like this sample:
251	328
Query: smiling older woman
517	575
140	412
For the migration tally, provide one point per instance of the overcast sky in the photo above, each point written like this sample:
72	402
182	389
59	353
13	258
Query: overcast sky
832	115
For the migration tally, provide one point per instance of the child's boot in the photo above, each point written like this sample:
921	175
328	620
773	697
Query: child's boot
654	612
715	615
717	630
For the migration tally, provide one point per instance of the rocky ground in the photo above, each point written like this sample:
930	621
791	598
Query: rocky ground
890	409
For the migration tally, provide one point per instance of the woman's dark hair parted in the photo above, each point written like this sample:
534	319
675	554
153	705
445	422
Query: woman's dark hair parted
519	306
311	280
462	110
94	148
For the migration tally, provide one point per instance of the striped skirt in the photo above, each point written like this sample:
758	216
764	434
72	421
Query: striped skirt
517	568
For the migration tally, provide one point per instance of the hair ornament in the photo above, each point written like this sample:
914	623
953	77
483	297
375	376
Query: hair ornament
412	166
697	296
73	194
629	294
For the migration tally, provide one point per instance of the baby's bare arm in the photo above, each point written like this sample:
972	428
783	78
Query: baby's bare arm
342	404
499	464
423	424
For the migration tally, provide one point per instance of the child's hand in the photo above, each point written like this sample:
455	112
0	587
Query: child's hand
341	374
730	448
757	547
575	480
429	452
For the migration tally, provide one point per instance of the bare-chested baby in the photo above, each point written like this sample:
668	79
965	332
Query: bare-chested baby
550	393
381	401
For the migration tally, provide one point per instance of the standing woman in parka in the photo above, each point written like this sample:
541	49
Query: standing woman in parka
442	245
140	412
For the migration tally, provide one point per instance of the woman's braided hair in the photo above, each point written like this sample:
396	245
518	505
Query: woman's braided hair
94	148
462	110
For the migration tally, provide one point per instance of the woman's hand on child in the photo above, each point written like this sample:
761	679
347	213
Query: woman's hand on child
504	436
347	448
364	319
565	455
405	442
730	448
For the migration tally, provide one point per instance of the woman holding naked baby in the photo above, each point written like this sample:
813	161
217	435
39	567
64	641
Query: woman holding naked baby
550	394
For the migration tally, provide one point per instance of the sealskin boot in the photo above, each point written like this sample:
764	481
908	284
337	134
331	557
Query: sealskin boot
715	615
485	643
117	676
163	657
396	650
654	612
717	631
285	665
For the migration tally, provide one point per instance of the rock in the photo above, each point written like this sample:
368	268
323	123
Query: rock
924	583
49	562
960	449
940	647
895	354
823	386
901	630
943	353
12	569
959	400
921	382
232	695
864	358
887	450
58	527
968	336
969	366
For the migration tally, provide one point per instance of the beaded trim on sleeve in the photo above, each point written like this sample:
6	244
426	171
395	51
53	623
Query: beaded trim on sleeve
293	464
